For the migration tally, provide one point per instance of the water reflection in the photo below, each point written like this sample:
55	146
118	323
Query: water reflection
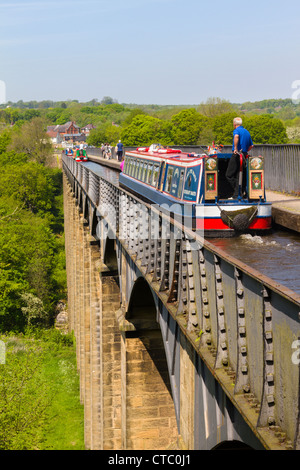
108	173
276	255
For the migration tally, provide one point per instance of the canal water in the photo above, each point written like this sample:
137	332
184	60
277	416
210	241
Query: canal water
105	172
276	255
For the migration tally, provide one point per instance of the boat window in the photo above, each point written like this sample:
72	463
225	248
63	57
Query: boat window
141	165
149	172
169	179
133	168
130	169
144	171
155	174
126	165
180	183
139	168
129	166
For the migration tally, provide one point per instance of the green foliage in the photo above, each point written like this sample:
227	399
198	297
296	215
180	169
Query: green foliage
24	397
214	107
144	130
223	128
32	140
32	259
10	303
266	129
28	253
30	185
209	121
5	139
39	401
187	127
105	133
33	309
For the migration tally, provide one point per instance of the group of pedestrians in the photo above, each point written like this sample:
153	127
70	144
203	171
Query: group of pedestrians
107	151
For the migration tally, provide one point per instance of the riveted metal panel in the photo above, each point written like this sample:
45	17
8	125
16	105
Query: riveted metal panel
244	327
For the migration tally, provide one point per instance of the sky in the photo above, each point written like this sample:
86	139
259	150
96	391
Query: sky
166	52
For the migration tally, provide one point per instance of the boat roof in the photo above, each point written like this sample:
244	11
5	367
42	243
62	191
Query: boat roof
159	153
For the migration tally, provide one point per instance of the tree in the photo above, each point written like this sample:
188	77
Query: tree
146	130
187	126
214	107
266	129
30	184
5	139
31	260
108	100
223	128
133	113
33	309
112	134
32	140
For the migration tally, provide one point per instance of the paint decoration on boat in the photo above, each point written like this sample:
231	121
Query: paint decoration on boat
81	155
193	188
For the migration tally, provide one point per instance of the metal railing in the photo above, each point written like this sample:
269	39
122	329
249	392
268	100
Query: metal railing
243	325
282	166
282	163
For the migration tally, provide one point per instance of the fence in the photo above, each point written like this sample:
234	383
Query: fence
282	163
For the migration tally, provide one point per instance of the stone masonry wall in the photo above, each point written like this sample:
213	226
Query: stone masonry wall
124	383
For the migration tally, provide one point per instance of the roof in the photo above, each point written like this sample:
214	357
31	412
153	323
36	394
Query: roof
62	128
51	133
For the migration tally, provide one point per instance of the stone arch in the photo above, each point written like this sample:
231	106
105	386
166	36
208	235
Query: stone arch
141	306
79	198
85	207
110	254
93	221
149	409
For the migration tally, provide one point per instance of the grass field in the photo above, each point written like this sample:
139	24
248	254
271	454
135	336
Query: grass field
40	369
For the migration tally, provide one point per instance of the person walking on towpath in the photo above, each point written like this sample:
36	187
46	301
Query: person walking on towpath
120	148
242	143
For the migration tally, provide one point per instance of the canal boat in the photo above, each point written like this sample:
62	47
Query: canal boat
81	156
194	190
69	152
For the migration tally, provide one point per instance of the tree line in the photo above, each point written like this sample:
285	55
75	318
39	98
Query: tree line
39	394
270	121
32	274
189	127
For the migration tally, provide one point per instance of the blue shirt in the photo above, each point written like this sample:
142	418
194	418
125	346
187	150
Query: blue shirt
120	146
245	140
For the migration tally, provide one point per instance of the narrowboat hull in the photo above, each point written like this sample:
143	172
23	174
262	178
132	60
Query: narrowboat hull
206	218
